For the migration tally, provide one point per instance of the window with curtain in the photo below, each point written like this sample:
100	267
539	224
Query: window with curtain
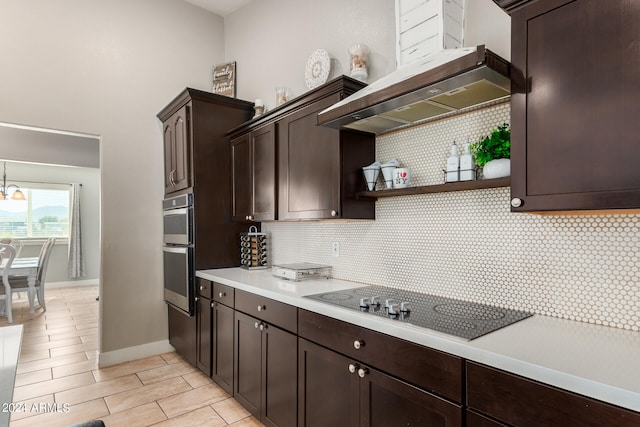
45	213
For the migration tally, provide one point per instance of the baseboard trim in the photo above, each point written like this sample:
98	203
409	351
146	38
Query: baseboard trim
73	283
133	353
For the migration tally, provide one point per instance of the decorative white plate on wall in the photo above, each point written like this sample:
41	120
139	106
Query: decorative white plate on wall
317	69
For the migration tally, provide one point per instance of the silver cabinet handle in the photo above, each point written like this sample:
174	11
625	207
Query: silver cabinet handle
357	344
197	299
256	325
250	217
262	327
213	304
222	295
202	288
362	372
352	368
516	202
334	213
262	307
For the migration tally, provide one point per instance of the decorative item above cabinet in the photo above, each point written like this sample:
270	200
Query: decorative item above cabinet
319	170
574	138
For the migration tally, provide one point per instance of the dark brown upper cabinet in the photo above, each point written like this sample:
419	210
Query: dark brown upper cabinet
177	151
253	159
194	126
575	89
320	169
313	173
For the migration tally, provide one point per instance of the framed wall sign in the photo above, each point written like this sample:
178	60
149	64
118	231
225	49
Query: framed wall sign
224	79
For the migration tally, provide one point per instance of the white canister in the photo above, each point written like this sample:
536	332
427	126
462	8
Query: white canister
401	177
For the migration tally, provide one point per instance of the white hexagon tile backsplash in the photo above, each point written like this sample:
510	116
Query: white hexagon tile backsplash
469	245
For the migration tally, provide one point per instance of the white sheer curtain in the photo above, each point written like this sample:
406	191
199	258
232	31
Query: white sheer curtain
76	258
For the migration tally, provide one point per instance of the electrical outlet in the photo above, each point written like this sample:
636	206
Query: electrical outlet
335	249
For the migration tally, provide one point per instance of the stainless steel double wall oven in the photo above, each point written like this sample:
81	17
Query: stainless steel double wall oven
178	252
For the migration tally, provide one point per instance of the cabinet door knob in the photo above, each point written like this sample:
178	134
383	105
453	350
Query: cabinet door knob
352	368
213	304
256	325
250	217
201	288
334	213
222	295
262	307
516	202
197	299
357	344
261	327
362	372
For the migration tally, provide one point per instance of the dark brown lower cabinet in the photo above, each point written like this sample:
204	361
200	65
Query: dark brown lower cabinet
336	390
203	334
475	419
222	348
523	402
265	380
327	392
182	333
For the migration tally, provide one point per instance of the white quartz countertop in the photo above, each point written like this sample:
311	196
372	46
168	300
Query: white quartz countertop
595	361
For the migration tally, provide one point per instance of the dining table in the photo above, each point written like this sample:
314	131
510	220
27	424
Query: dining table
26	266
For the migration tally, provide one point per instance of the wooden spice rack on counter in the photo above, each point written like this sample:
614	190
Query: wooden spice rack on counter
439	188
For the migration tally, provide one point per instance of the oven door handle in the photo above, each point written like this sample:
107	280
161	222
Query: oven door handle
181	211
176	249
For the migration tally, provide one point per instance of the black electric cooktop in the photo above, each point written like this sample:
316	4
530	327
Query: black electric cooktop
464	319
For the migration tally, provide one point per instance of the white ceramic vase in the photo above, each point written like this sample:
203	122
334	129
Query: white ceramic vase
497	168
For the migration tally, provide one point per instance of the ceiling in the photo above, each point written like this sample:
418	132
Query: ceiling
220	7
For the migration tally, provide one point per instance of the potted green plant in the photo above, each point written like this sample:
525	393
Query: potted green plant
493	152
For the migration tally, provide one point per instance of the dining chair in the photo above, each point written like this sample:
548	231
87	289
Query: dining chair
7	255
16	243
21	283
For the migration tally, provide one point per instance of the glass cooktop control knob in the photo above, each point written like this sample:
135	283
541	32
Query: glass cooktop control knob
388	302
405	307
393	309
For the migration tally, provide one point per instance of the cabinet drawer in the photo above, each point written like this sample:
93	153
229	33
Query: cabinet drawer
223	294
274	312
204	288
524	402
426	368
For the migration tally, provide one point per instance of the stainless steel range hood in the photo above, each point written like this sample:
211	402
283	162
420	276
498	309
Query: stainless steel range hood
441	83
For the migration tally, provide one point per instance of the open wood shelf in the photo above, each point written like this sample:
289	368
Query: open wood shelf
439	188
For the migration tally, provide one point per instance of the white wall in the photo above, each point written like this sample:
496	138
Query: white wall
90	211
107	68
485	23
271	41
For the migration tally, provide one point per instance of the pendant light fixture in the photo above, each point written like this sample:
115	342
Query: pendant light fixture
4	190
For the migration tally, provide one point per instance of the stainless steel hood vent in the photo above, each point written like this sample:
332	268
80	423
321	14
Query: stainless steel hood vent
441	83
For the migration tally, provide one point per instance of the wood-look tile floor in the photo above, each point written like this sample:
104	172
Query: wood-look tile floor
58	371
